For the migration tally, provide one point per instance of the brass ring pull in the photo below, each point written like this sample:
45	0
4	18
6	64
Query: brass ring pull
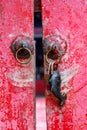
52	58
55	48
22	49
27	60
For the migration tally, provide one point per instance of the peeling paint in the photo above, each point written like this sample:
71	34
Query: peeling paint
21	77
67	75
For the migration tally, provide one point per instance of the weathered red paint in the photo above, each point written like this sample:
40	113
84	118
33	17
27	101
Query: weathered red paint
17	81
68	18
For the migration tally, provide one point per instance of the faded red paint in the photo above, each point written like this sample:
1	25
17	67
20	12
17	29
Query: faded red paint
17	81
68	18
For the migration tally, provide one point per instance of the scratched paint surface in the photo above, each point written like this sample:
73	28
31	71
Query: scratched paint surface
68	18
17	83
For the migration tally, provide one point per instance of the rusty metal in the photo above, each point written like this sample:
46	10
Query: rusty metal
22	49
54	48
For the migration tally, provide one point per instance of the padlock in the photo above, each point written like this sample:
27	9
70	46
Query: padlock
55	84
54	50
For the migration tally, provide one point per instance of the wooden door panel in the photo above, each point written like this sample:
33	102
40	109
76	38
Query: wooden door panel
67	19
17	81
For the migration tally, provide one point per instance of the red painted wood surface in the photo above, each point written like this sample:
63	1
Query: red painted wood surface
68	18
17	81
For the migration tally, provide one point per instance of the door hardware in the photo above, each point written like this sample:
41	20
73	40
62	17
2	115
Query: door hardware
22	49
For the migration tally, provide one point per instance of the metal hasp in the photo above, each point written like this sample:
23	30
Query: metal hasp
22	49
55	48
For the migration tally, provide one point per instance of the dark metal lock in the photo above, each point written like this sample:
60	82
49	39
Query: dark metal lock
55	84
55	48
22	49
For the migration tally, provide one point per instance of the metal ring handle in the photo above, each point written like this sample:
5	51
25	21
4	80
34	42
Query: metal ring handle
49	60
26	61
55	42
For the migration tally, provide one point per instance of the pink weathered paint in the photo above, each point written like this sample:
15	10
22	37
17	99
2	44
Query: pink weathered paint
17	81
68	18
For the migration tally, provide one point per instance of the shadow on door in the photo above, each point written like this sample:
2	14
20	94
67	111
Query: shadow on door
40	90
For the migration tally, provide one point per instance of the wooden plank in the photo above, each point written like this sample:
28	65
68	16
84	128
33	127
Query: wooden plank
17	81
67	19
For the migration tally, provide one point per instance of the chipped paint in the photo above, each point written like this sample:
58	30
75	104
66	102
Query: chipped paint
67	75
21	77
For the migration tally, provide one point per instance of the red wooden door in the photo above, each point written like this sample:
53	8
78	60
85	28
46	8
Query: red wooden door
67	19
17	79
